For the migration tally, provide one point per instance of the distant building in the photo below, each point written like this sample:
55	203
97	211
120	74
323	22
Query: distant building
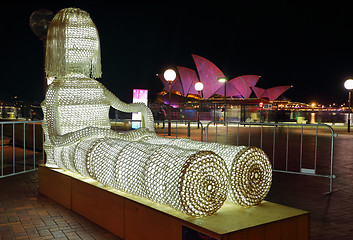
208	73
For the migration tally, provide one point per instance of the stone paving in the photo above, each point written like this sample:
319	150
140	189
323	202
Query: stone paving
26	214
331	215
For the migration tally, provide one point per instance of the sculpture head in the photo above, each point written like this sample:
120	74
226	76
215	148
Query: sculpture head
72	45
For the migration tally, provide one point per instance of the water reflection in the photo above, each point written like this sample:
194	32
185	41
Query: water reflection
312	118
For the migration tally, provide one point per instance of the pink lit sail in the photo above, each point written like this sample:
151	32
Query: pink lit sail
209	73
258	92
188	79
251	79
271	93
241	85
275	92
231	91
178	86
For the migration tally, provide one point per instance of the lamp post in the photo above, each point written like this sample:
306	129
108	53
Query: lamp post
224	80
199	88
169	76
348	84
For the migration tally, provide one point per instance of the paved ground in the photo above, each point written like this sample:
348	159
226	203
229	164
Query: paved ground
331	216
25	214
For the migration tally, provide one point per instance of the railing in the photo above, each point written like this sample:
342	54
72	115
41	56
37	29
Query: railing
305	149
182	129
21	145
292	148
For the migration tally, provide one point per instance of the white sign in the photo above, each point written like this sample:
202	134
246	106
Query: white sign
139	96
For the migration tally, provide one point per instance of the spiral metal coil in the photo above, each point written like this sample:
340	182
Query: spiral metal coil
250	177
250	172
191	181
204	183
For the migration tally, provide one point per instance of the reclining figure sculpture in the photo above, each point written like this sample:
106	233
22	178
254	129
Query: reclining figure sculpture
192	177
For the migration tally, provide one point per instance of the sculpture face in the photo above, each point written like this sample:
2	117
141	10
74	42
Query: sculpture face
81	44
72	45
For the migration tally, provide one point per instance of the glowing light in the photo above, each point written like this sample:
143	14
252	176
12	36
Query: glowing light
198	86
192	177
50	80
169	75
348	84
222	79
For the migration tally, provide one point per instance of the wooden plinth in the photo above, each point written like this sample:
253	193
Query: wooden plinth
134	218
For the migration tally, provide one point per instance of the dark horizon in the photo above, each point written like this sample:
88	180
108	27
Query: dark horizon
306	45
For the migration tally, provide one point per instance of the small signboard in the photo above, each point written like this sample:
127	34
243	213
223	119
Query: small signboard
267	106
139	96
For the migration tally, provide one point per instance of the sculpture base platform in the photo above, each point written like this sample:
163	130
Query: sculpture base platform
134	218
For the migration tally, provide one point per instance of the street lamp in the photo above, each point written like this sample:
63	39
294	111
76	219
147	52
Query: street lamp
224	80
348	84
199	88
169	76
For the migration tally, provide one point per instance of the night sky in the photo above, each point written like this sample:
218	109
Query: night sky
309	45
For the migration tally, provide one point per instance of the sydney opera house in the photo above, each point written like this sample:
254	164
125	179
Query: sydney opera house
238	88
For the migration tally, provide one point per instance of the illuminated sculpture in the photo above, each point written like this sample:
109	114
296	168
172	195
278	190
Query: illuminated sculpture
250	172
78	135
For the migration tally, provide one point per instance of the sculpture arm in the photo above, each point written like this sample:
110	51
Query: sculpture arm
92	132
50	106
115	102
87	132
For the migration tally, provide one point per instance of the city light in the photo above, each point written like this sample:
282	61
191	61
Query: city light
348	84
198	86
169	75
222	79
50	80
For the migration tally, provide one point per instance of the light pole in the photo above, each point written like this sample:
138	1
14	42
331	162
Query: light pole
199	88
169	76
224	80
348	84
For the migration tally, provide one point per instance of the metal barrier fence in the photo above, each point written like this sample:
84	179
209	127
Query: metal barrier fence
292	148
21	145
303	149
179	128
185	128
